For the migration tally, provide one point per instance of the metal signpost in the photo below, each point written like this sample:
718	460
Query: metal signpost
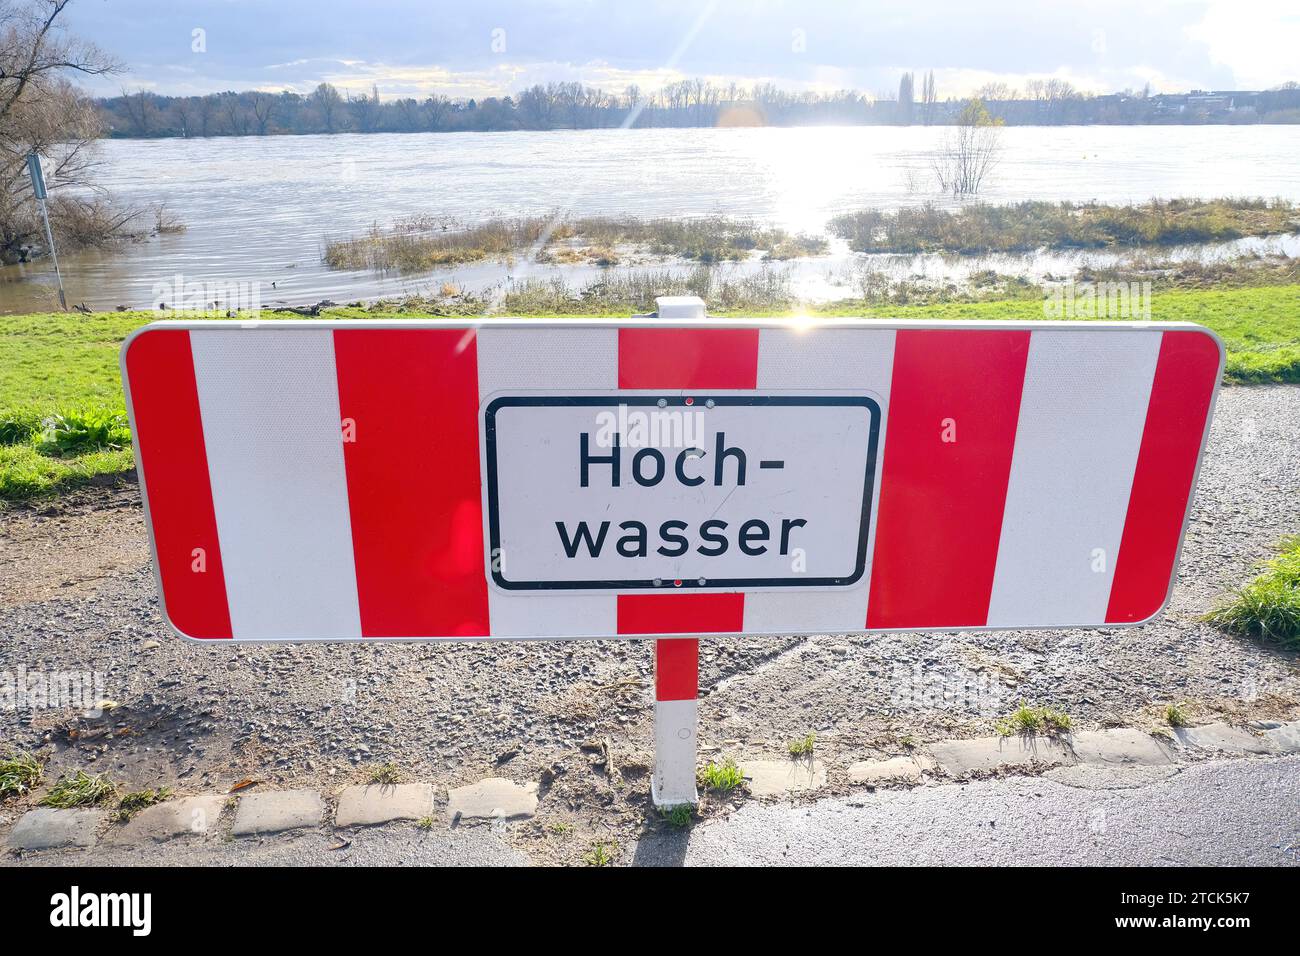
665	478
38	190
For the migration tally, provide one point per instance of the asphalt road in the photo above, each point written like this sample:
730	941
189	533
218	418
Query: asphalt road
1239	812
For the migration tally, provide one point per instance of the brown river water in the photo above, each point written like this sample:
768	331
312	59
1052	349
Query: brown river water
259	210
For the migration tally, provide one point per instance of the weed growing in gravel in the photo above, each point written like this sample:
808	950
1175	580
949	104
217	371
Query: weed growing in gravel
133	803
386	774
1055	721
679	816
1028	721
803	747
601	854
560	828
723	777
80	790
18	774
1269	606
425	823
1176	715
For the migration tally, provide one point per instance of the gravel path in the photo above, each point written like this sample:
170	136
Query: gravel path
76	594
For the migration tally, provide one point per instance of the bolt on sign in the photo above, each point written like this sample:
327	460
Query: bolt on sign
561	479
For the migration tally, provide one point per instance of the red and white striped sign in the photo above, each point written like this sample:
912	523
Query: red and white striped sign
326	480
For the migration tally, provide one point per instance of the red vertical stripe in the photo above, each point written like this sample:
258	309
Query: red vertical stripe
683	358
1187	371
687	358
413	479
941	502
169	439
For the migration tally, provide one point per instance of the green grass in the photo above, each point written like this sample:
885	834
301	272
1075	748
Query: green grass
18	774
721	777
1268	608
133	803
386	774
55	364
425	823
601	854
1176	715
1260	326
804	746
679	816
1029	721
79	790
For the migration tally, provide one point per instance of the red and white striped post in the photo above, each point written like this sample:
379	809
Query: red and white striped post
677	668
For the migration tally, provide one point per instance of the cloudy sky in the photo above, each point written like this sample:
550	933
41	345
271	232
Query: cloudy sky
464	48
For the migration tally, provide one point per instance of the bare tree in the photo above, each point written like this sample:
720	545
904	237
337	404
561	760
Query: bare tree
329	104
435	110
969	151
262	105
906	87
408	115
365	111
42	112
184	109
140	110
996	92
236	117
929	96
206	109
35	51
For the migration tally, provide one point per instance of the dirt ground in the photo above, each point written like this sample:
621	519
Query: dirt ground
77	594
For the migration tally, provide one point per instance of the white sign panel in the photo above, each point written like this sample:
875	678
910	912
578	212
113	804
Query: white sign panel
721	490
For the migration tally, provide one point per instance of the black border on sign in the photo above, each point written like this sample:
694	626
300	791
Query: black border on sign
494	524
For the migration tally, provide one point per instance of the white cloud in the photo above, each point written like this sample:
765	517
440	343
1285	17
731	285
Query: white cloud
1258	41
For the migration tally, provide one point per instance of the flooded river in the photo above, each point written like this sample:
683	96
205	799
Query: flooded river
260	209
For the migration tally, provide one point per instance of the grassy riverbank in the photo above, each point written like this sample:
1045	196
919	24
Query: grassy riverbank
61	398
1029	226
420	243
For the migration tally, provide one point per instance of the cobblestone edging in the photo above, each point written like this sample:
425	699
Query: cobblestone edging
496	798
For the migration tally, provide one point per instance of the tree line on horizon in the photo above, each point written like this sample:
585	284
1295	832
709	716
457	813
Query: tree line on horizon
688	103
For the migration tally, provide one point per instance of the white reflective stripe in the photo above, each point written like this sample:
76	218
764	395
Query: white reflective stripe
1082	413
841	360
673	782
556	361
270	405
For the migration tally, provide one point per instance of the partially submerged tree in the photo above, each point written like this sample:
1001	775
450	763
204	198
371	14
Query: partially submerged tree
969	151
42	112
